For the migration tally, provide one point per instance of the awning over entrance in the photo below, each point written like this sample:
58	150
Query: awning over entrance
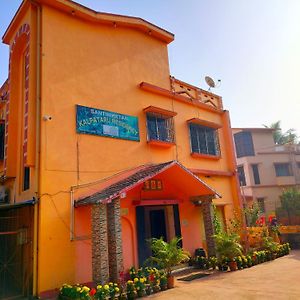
176	172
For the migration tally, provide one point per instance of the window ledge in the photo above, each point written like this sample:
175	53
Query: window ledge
161	143
208	156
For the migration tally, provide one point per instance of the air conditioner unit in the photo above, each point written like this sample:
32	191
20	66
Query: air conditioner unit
4	195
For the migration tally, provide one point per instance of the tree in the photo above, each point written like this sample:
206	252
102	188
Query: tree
281	138
290	201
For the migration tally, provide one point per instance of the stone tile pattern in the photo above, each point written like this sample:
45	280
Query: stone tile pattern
208	224
100	265
114	239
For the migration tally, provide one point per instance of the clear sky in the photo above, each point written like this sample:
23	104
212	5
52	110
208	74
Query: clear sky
252	46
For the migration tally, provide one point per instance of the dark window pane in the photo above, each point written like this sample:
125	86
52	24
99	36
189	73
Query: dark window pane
283	169
244	144
241	173
160	128
26	179
256	174
204	140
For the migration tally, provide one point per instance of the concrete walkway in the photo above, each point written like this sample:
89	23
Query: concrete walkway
278	279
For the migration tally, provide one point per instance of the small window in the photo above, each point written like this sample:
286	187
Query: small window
283	169
241	173
2	139
204	140
26	179
160	127
261	204
243	144
255	174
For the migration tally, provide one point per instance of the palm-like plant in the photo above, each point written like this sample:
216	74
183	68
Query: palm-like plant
281	138
227	245
167	255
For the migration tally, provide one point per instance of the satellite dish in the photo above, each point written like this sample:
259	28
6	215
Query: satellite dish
211	83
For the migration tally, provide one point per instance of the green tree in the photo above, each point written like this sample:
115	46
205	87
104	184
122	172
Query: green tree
281	138
290	201
252	214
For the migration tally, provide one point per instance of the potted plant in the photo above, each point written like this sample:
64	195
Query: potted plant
167	255
213	262
227	245
163	282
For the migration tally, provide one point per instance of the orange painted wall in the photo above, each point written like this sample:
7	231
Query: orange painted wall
101	66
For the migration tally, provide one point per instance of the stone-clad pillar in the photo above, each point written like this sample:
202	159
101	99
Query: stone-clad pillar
115	249
100	265
208	225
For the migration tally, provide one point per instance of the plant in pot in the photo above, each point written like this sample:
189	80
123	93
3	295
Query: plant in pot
213	262
163	282
227	245
167	255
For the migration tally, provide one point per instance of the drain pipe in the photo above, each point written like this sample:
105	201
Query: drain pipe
37	148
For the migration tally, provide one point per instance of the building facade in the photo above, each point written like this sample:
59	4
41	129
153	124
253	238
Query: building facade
265	169
102	148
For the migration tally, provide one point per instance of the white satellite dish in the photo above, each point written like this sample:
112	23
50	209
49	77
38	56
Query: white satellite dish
211	83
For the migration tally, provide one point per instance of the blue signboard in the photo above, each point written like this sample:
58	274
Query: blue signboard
105	123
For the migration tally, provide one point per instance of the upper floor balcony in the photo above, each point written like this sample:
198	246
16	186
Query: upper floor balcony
196	94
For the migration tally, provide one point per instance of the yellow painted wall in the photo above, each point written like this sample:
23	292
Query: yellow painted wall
102	66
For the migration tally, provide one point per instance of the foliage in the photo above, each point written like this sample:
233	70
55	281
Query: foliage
216	221
102	292
236	224
290	199
74	292
269	244
281	138
252	215
167	255
227	245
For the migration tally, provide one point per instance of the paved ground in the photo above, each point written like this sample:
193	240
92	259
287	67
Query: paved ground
278	279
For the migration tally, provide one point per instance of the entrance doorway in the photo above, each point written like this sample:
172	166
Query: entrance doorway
158	224
155	222
16	232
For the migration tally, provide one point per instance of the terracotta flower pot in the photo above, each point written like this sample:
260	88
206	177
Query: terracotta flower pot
232	265
171	282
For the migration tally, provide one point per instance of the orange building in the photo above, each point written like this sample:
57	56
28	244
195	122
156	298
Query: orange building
102	148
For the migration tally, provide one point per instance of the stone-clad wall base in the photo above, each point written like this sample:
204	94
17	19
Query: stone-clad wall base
100	264
208	225
114	239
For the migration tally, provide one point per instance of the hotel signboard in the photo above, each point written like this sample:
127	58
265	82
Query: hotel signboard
106	123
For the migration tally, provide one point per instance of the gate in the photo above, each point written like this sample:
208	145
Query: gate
16	252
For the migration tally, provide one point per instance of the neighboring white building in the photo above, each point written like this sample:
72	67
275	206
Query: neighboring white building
265	169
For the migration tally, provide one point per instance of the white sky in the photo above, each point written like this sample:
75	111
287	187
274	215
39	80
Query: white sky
252	46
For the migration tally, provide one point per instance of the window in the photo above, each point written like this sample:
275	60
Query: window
160	127
243	144
255	174
261	204
204	140
283	169
298	164
241	173
2	139
26	179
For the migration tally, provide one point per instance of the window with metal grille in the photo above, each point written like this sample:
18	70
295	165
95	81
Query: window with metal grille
256	174
242	177
204	140
243	144
160	128
283	169
261	204
26	179
2	137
